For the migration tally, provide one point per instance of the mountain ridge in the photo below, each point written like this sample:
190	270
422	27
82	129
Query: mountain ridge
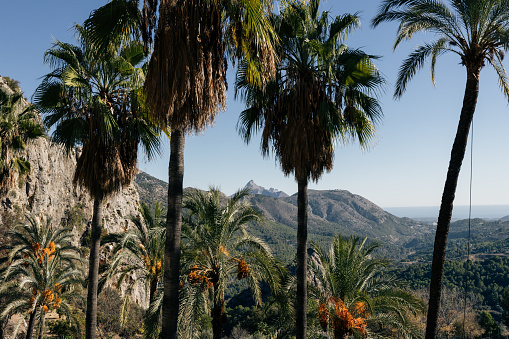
330	212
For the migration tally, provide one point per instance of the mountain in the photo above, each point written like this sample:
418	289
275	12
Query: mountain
271	192
330	212
151	190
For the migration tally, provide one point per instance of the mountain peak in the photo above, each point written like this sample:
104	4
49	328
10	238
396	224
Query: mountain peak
271	192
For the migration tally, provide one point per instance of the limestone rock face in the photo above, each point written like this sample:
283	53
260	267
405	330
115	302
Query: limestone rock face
49	190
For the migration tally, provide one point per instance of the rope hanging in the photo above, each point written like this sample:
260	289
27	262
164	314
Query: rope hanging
469	221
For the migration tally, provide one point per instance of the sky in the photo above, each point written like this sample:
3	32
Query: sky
405	166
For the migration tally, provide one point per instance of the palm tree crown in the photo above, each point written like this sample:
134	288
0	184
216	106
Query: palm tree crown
18	124
95	101
354	293
31	238
43	273
476	30
319	96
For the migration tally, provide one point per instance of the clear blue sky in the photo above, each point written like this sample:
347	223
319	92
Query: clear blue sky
405	167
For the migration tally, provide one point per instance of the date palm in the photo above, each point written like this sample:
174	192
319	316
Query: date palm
477	31
217	246
322	94
43	273
186	82
355	294
95	101
38	233
18	124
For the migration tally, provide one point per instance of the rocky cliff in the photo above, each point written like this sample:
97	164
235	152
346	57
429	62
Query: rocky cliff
271	192
48	189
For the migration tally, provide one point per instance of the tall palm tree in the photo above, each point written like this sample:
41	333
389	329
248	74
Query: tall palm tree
354	293
18	124
186	82
322	93
478	32
43	273
217	245
138	251
96	102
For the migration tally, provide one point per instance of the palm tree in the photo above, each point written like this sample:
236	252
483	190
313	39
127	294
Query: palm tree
138	251
217	245
38	233
354	292
42	274
321	94
18	124
186	82
96	102
477	31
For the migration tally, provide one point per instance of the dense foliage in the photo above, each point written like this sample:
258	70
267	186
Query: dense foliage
486	278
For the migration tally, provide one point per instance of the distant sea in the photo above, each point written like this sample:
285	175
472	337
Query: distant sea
459	212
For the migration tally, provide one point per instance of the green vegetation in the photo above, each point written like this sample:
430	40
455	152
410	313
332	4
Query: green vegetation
108	306
75	217
13	84
356	296
138	251
306	92
230	250
18	125
42	273
487	279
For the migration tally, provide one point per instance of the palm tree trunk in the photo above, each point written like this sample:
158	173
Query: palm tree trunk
93	268
2	326
340	334
444	216
173	232
31	325
43	322
302	238
218	314
153	289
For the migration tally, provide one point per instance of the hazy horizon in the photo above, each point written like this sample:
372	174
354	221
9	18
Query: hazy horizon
459	212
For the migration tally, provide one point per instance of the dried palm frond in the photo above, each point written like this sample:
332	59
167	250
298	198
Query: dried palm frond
186	78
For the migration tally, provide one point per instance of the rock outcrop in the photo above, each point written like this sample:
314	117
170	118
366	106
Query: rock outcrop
271	192
48	189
